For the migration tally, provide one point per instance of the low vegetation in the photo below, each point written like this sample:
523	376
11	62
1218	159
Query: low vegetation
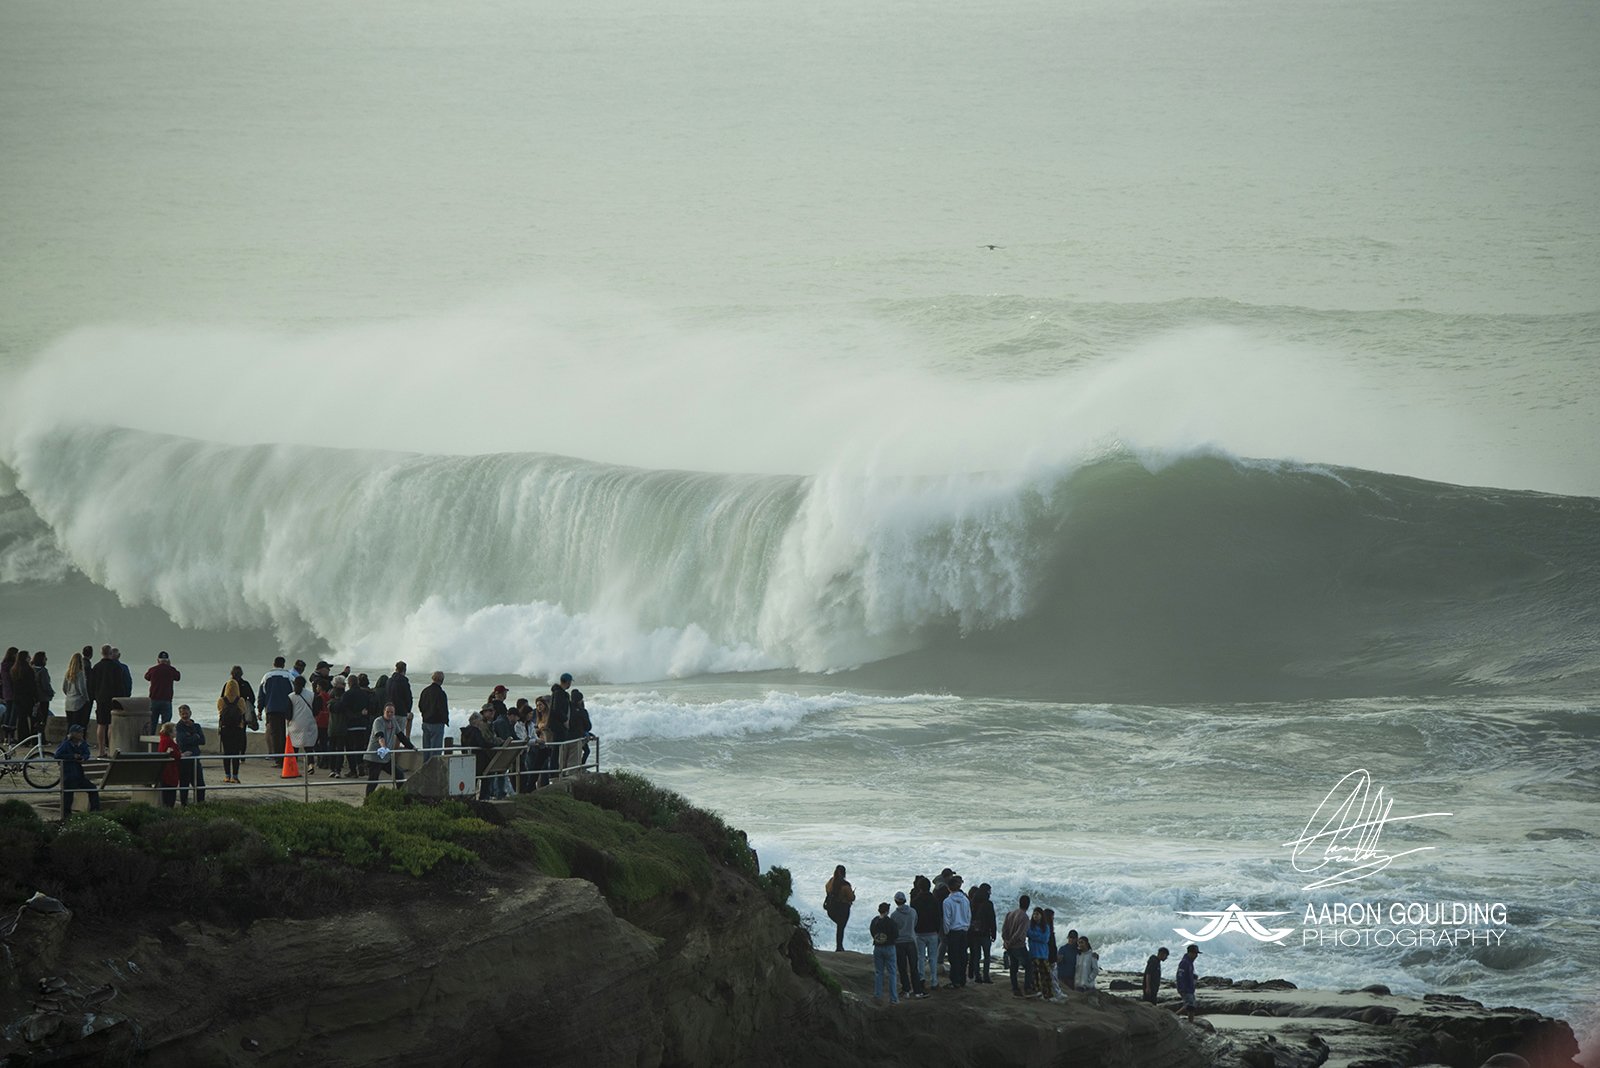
649	851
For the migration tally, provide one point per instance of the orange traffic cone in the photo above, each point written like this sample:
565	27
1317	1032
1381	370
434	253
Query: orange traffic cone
291	766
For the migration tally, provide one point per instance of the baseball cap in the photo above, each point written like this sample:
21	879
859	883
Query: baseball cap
899	897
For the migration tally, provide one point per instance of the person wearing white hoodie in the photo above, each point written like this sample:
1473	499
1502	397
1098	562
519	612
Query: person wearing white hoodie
1088	966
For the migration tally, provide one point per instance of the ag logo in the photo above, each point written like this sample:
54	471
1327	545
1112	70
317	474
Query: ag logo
1233	918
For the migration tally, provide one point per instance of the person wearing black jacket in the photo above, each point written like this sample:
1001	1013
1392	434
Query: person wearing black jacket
24	693
560	731
355	709
884	932
579	725
104	681
984	930
476	737
400	695
434	705
929	920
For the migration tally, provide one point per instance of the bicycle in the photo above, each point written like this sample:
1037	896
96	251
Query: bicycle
28	758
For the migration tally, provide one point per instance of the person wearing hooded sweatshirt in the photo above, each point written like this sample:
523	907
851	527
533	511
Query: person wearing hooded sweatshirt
905	947
957	929
1088	965
272	700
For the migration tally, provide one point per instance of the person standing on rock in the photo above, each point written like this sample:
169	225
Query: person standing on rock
905	948
837	897
1088	965
984	930
1039	952
957	930
1152	974
1185	980
1014	944
928	921
1067	962
435	708
885	932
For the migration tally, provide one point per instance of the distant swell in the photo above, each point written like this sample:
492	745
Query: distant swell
1186	575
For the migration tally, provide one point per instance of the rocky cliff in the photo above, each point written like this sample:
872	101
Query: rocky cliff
508	964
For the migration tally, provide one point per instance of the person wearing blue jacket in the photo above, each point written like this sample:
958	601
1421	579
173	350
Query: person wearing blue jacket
272	699
1186	981
1067	961
1039	953
191	738
72	752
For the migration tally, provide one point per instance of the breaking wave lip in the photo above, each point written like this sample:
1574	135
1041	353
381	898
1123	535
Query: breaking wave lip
1188	573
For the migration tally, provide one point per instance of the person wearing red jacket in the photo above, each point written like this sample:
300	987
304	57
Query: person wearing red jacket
161	676
169	773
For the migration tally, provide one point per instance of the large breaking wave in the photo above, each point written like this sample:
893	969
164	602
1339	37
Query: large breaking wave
1183	575
1062	516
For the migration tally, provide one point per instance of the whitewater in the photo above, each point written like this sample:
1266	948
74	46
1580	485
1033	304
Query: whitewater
668	348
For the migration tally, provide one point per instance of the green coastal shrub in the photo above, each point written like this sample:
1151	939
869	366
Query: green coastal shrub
632	864
641	801
23	839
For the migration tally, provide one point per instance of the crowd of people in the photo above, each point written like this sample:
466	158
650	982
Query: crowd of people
340	723
941	929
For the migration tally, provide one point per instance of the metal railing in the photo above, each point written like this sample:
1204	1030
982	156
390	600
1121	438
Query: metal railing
307	778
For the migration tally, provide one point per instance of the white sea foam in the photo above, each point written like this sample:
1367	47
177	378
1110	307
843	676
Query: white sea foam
625	715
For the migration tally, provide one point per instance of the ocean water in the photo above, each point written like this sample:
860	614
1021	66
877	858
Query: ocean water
666	346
